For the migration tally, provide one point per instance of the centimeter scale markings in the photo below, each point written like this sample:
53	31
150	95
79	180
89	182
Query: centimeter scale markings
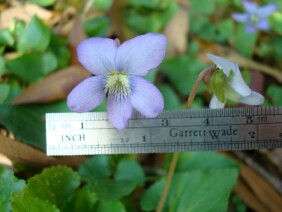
231	129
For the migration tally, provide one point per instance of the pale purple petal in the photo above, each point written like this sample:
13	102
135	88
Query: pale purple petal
97	55
239	85
267	10
253	99
215	103
119	111
250	6
87	95
250	29
141	54
263	24
146	98
224	64
239	17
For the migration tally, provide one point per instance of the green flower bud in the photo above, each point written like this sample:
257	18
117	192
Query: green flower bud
220	85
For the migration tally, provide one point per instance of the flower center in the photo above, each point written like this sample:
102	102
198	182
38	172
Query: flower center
254	19
118	84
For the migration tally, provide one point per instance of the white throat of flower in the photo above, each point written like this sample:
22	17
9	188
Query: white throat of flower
254	19
221	87
117	84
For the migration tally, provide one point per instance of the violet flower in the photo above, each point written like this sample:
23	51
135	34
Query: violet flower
119	71
256	17
227	83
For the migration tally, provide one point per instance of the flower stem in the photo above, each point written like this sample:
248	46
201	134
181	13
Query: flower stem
206	72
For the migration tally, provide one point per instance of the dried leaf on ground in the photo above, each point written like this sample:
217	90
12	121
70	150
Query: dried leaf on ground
274	156
76	35
248	197
257	81
256	191
22	153
176	32
54	87
5	161
23	12
263	191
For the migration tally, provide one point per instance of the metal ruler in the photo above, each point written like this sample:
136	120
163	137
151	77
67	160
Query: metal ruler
231	129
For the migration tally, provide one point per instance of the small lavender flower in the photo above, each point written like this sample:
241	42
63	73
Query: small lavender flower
227	83
119	71
256	17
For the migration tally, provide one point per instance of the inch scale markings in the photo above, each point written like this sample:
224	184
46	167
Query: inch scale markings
230	129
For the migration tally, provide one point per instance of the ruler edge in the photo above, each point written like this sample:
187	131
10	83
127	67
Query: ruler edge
166	114
205	112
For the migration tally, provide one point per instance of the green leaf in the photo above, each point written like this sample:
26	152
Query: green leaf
270	49
194	191
33	66
275	20
202	25
55	185
151	196
242	41
14	90
194	48
2	49
225	30
8	184
36	37
206	161
84	200
274	93
97	167
142	24
170	97
130	172
43	3
107	189
198	103
102	4
27	123
238	204
4	92
183	72
98	26
6	37
25	202
2	66
59	47
108	206
152	4
197	5
18	27
151	76
149	20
